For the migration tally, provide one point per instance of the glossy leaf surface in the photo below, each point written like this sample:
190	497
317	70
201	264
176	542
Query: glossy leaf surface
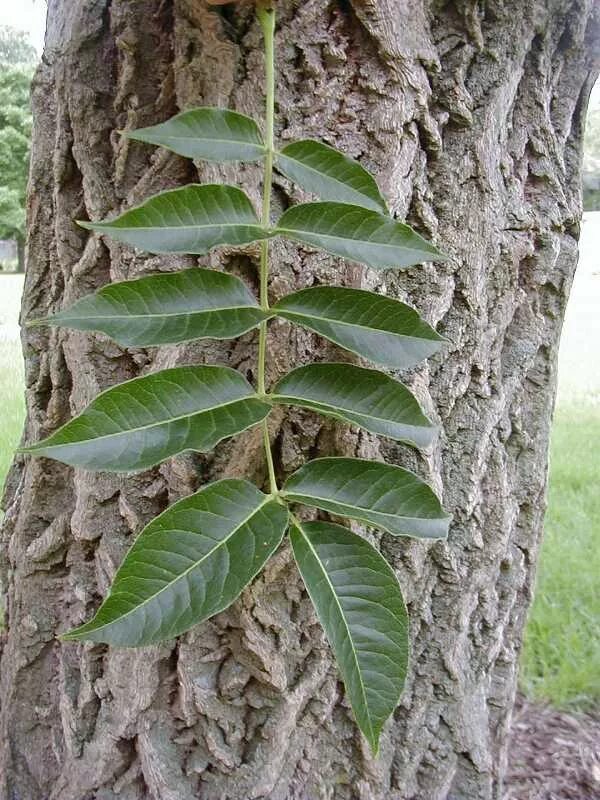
189	563
362	397
377	328
140	423
357	234
382	495
193	219
168	308
331	175
211	134
360	606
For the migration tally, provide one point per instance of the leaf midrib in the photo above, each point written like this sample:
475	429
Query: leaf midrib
340	504
346	626
351	324
334	179
162	228
330	237
299	400
148	427
126	316
245	521
203	139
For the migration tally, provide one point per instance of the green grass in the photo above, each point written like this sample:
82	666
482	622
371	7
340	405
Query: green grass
561	654
11	402
11	371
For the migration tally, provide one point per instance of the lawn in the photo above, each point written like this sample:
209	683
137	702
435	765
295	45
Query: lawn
11	371
561	655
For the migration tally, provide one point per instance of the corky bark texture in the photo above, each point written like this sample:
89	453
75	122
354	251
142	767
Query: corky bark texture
470	114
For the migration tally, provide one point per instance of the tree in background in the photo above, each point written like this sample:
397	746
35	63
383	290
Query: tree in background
17	59
591	162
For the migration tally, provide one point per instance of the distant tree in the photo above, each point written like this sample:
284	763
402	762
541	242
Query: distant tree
591	162
15	47
17	58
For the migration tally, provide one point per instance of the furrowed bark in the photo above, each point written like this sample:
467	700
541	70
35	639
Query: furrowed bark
471	116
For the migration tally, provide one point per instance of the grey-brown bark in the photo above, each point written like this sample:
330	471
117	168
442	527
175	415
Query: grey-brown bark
471	115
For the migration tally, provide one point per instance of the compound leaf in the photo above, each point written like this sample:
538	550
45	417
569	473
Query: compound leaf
378	328
211	134
362	397
382	495
193	219
189	563
360	606
164	309
139	423
358	234
331	175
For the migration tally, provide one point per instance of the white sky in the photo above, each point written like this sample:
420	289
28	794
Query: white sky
26	15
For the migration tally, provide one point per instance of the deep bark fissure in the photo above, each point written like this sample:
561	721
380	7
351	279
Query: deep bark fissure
472	120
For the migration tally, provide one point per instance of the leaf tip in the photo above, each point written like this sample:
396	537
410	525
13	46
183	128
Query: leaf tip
441	256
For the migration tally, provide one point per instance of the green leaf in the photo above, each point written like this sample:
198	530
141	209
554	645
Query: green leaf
193	219
189	563
164	309
357	234
378	328
363	397
212	134
387	497
141	422
331	175
360	606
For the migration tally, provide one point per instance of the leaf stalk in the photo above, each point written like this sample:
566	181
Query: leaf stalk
266	18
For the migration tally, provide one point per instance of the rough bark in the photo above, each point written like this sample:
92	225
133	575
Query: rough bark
471	115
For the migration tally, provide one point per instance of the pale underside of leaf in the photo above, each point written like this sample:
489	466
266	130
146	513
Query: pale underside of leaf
360	606
189	563
139	423
210	134
381	495
378	328
329	174
358	234
166	309
193	219
362	397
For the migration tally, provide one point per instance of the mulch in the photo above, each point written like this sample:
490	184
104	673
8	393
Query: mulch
553	755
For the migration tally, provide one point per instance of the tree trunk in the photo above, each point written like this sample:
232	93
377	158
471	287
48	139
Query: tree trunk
471	116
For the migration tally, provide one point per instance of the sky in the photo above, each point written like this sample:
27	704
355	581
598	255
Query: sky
26	15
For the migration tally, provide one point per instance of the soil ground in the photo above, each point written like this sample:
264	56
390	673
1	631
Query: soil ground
553	755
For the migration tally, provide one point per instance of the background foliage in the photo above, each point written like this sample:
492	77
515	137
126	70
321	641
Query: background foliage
17	60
